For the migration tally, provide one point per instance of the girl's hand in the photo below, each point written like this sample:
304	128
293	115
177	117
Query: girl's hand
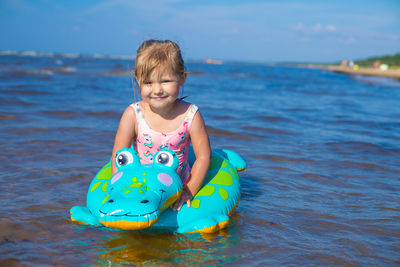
186	196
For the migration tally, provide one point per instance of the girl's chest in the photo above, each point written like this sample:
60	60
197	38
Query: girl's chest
165	126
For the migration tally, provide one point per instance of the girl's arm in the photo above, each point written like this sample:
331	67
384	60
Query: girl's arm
125	134
202	150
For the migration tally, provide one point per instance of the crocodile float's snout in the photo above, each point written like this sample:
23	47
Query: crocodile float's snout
137	194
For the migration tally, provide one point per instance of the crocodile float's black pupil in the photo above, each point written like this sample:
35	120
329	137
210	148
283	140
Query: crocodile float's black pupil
163	158
122	160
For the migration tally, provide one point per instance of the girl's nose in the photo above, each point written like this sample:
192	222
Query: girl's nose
157	88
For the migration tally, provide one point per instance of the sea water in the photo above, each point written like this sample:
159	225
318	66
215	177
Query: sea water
321	187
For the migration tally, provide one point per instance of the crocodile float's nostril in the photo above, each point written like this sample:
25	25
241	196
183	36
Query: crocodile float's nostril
144	201
111	201
165	179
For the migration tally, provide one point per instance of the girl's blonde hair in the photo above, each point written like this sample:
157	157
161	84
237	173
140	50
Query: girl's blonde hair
153	54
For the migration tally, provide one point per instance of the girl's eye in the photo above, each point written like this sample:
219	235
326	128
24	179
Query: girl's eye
168	81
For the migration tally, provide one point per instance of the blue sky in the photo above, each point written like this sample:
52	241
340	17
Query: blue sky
263	31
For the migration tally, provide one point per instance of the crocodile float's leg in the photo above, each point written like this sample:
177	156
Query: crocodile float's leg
83	215
211	224
208	225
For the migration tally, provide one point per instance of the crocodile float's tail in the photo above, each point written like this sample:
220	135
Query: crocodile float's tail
233	158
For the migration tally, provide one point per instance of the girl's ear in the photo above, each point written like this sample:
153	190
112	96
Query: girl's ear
183	79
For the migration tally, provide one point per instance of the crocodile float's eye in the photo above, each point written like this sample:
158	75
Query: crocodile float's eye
165	158
123	158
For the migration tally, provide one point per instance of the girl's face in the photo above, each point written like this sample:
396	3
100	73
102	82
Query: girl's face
161	89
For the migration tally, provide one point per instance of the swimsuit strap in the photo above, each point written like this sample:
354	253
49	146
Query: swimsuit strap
138	110
190	115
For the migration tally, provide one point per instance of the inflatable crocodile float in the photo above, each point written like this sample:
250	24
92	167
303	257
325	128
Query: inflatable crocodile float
138	196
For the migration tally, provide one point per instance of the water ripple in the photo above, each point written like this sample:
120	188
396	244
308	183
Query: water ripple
321	187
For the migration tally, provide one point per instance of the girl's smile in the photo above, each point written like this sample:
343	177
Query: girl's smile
158	98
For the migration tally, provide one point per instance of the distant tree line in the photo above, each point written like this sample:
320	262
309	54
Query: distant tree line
390	60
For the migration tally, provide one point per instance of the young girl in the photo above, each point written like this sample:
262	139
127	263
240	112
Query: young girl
161	119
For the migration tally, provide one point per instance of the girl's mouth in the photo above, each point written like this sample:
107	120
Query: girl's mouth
158	97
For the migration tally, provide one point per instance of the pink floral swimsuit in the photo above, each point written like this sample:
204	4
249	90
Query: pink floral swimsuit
148	141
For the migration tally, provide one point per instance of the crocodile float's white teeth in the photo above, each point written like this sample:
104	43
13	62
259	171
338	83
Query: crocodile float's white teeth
115	211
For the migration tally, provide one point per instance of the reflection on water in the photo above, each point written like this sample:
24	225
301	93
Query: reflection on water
322	150
161	248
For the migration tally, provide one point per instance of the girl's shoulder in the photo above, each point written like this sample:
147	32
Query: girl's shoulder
128	119
130	110
186	111
188	107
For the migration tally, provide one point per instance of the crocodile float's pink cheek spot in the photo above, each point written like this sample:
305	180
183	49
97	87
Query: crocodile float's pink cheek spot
165	179
116	177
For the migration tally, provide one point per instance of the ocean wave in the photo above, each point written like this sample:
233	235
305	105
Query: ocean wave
44	71
62	55
28	71
25	53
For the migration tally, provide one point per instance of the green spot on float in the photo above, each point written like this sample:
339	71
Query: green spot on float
223	178
234	173
136	185
95	186
223	193
206	191
105	199
195	203
105	173
127	192
104	187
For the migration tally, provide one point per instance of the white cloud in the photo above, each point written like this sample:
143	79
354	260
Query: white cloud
349	40
330	28
395	37
298	27
317	28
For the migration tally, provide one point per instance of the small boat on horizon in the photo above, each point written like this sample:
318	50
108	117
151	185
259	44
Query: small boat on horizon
212	61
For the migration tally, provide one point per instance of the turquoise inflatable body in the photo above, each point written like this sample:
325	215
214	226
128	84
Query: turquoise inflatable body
138	196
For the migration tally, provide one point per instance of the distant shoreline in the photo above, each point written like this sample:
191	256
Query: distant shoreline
390	73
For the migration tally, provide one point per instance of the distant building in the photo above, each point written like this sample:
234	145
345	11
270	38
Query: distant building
384	67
